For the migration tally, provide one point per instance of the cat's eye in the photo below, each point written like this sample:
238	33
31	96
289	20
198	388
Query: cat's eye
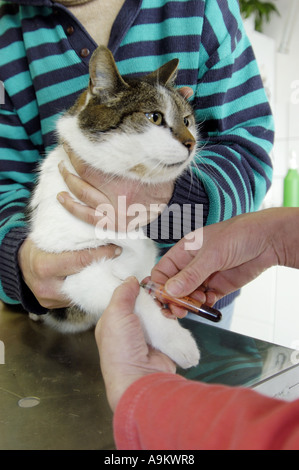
155	118
186	122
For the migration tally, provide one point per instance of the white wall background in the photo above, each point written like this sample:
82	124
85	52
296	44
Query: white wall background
284	32
268	308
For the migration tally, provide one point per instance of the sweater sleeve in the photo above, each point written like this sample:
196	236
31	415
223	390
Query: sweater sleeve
19	155
169	412
237	124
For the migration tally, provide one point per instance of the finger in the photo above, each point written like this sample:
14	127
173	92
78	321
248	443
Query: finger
80	211
86	172
81	167
172	263
49	293
121	304
187	280
52	304
82	190
186	91
181	312
71	262
178	312
125	295
212	298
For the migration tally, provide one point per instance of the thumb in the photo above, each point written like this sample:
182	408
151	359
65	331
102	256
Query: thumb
121	304
72	262
124	297
187	280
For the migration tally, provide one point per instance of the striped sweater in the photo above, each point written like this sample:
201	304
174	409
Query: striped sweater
44	56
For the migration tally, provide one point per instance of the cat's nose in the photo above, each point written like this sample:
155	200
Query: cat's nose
190	144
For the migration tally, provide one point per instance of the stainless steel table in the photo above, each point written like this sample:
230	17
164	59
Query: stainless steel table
63	373
52	394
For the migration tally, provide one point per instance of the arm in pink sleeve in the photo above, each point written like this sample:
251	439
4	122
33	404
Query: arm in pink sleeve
165	411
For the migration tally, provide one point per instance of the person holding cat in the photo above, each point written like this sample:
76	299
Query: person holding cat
157	409
45	52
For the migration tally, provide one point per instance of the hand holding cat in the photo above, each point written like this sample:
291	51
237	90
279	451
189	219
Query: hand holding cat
97	191
124	354
44	272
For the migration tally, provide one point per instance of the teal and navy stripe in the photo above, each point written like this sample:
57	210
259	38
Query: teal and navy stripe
43	71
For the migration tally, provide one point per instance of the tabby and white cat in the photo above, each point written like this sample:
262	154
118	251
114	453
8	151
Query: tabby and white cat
141	129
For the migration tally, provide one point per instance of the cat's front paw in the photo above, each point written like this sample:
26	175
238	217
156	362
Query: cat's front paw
166	334
184	350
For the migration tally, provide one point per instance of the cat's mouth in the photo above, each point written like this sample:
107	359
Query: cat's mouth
142	170
160	163
173	165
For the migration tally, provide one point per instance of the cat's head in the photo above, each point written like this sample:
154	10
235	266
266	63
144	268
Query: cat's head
139	128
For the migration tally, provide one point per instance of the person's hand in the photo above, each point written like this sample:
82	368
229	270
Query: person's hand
44	272
111	202
99	195
233	253
124	355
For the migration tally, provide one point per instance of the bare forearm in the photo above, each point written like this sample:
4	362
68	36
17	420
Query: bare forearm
285	236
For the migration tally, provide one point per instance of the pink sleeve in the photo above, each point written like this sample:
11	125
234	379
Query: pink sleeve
168	412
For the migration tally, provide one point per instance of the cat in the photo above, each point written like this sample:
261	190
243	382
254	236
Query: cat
142	129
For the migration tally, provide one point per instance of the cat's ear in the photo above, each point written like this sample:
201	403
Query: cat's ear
105	79
166	74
